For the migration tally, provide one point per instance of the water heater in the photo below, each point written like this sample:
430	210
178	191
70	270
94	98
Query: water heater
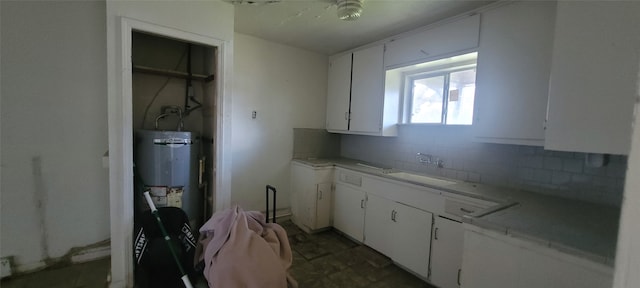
168	161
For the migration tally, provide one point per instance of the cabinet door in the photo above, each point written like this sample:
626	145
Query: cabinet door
339	92
367	95
514	62
593	76
301	183
446	253
497	260
378	223
323	206
348	211
412	238
445	39
487	263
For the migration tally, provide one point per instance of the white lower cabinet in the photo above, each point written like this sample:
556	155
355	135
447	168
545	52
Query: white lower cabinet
411	241
496	260
378	223
446	253
348	211
400	232
311	196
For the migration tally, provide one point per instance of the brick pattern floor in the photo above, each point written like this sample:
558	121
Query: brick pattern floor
325	259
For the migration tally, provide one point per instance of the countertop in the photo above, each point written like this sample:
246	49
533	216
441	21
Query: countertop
575	227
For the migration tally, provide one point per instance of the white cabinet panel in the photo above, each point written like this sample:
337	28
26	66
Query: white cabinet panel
323	205
348	211
339	92
412	238
311	196
594	76
487	263
378	224
445	39
514	62
496	260
367	95
400	232
356	103
446	253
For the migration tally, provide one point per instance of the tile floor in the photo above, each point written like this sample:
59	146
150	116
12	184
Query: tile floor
325	259
328	259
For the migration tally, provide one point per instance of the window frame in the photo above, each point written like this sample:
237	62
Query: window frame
408	77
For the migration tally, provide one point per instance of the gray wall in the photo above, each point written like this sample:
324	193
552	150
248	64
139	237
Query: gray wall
315	143
55	192
287	87
531	168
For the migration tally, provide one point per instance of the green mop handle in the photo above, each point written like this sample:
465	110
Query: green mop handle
154	211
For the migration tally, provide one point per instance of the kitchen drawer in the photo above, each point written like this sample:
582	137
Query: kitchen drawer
349	178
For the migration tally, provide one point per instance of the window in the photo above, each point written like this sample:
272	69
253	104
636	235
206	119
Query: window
439	92
451	92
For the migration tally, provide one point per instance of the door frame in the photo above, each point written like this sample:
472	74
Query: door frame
120	114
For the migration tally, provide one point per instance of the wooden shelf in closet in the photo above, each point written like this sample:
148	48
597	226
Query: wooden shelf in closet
172	73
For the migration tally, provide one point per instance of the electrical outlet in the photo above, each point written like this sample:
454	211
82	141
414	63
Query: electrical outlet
5	267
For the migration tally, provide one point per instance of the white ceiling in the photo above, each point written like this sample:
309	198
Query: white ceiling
314	25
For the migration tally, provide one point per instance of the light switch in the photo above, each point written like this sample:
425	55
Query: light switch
254	114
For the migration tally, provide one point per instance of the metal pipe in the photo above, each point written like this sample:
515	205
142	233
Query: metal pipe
171	110
160	117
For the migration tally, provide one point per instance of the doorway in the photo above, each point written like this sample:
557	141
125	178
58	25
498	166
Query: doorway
214	122
173	94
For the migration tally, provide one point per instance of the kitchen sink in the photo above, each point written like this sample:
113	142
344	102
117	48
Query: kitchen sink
372	167
420	178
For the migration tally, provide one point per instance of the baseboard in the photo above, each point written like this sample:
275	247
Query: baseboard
29	267
5	267
91	254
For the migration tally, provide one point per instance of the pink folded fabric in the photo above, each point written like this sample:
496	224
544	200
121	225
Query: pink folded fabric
241	250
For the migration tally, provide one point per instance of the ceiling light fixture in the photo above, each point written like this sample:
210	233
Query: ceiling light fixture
349	9
252	2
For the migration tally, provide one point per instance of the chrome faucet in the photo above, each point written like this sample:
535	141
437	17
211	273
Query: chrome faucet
426	159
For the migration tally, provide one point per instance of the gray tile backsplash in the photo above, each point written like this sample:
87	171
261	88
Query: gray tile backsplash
531	168
315	143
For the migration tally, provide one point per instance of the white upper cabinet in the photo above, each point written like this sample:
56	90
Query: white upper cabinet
367	95
445	39
514	62
339	91
594	76
355	100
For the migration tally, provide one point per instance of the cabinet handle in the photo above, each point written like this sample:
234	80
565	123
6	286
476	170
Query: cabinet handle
467	210
362	203
319	194
459	272
435	234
